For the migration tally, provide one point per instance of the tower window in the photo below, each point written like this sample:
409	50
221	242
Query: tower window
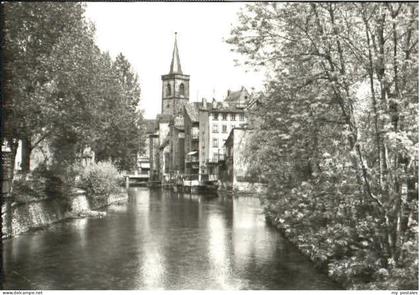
168	90
182	89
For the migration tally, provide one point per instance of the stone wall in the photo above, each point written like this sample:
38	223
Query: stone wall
113	198
31	215
18	218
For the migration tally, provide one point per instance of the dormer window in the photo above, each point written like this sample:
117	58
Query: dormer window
182	89
168	90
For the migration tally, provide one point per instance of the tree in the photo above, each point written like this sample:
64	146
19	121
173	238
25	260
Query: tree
45	49
338	120
122	136
61	89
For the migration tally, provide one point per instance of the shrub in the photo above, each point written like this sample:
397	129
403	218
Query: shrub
99	180
27	190
58	180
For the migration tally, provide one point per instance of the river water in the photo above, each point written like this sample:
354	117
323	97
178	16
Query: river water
162	240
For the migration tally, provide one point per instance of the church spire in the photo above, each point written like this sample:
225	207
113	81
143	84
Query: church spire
175	64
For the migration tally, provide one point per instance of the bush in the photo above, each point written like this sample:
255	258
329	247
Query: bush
58	180
99	180
28	190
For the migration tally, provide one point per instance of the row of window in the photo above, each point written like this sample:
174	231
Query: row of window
216	142
181	90
232	116
218	156
215	128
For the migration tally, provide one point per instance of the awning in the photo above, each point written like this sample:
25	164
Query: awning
192	153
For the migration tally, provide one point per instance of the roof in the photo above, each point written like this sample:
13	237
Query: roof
228	140
236	96
175	64
221	107
192	110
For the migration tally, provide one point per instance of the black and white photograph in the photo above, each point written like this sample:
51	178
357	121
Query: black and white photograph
209	146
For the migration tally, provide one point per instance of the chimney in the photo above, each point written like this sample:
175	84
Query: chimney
204	103
228	93
214	103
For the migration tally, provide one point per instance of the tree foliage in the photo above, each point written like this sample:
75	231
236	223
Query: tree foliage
122	132
61	89
337	132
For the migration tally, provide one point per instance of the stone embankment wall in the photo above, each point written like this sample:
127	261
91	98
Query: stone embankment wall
103	202
18	218
25	216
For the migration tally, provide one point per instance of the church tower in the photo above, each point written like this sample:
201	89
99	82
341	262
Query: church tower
175	86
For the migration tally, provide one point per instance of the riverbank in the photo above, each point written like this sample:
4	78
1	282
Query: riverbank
21	217
337	266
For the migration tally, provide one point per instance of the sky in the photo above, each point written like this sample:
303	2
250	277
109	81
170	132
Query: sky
144	34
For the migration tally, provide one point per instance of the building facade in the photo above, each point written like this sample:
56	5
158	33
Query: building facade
176	142
216	120
191	131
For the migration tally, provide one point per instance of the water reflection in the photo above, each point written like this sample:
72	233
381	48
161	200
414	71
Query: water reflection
161	240
219	260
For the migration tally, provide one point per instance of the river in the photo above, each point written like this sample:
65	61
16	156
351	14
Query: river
162	240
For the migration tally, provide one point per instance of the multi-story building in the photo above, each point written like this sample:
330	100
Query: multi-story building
191	130
216	120
176	145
